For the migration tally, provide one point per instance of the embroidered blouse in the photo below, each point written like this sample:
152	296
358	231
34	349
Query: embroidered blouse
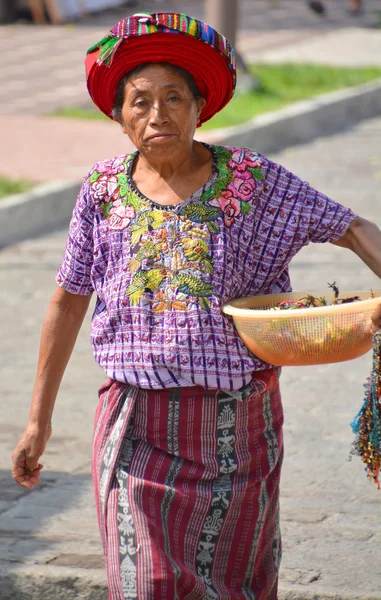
162	273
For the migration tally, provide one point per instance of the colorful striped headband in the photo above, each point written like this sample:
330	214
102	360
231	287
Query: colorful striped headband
163	37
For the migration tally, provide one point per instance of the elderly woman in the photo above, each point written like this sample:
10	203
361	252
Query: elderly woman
188	431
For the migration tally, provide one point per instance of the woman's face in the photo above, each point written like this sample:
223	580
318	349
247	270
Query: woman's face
160	113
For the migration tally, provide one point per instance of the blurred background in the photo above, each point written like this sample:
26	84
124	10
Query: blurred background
66	11
288	50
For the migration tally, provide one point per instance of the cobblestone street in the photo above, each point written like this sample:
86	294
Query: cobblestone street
330	513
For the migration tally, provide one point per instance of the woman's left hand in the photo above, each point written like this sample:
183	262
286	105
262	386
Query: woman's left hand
376	320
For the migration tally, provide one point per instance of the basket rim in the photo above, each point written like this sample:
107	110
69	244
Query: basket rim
235	311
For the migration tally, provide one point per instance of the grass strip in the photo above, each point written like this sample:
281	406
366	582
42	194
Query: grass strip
279	85
10	186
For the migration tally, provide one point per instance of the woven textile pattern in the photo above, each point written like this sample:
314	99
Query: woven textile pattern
162	275
168	23
187	483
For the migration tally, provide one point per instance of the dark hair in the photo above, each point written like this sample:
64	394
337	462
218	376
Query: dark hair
121	88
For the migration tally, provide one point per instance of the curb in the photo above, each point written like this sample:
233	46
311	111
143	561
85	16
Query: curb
49	206
295	593
304	121
61	583
45	208
36	582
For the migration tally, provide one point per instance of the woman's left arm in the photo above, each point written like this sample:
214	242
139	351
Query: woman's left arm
364	238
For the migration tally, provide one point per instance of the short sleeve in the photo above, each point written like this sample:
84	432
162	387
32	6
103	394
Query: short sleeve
74	274
306	214
323	219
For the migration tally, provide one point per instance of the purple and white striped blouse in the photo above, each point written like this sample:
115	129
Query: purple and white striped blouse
161	274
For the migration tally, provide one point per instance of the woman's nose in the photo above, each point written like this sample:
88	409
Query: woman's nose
159	114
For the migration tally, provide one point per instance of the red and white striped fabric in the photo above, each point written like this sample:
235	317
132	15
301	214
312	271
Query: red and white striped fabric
187	489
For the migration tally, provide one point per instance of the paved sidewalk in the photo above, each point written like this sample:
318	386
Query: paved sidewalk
43	68
330	514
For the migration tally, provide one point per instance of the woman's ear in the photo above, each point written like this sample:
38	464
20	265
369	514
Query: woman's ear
122	125
200	105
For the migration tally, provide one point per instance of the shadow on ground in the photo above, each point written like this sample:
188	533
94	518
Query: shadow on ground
50	539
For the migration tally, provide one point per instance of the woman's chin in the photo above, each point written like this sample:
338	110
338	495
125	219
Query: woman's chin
168	145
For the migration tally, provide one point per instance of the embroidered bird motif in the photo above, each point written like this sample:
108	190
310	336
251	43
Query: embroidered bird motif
197	251
149	220
147	249
145	281
193	286
202	213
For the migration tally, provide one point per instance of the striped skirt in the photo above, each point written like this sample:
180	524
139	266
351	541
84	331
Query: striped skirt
187	490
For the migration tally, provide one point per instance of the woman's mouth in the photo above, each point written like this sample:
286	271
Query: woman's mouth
161	137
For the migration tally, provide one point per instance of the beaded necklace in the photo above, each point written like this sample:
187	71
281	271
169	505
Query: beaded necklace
367	423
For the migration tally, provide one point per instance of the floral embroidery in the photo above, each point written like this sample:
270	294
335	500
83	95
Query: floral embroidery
105	185
230	206
120	215
168	256
238	173
110	188
243	187
242	159
170	250
112	166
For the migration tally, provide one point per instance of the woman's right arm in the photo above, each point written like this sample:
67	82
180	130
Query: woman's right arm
60	330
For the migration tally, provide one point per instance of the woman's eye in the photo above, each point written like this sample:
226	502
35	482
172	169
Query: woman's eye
174	98
140	103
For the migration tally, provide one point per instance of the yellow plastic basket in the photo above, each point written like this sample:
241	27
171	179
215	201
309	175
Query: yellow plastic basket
304	336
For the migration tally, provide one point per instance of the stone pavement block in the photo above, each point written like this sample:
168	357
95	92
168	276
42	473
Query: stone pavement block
49	582
90	561
300	577
351	563
297	592
46	522
305	515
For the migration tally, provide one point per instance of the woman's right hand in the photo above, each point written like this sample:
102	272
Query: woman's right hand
26	467
61	326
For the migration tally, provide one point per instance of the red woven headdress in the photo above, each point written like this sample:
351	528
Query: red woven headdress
163	37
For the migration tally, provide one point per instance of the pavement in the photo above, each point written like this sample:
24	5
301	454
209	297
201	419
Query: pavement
330	513
43	68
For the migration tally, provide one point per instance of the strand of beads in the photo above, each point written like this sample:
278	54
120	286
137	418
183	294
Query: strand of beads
367	423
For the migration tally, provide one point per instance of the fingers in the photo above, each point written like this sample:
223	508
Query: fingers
33	477
24	477
27	478
25	470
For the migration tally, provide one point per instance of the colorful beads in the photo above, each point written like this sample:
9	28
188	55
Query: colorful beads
367	423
